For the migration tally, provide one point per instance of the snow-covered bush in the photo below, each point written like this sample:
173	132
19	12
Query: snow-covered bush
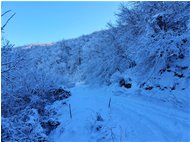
26	89
25	126
26	118
163	34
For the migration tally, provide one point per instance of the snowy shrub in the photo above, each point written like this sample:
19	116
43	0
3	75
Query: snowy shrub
23	104
50	125
163	23
24	126
28	119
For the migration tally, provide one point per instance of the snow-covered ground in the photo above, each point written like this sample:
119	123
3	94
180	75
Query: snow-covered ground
130	117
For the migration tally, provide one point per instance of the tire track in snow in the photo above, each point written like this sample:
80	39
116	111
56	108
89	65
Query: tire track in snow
161	113
138	120
153	117
161	110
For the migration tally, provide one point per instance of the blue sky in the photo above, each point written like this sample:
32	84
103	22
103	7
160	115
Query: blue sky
43	22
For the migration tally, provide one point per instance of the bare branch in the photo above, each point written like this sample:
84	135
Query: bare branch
5	13
2	28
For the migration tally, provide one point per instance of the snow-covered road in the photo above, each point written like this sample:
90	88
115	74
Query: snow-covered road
129	118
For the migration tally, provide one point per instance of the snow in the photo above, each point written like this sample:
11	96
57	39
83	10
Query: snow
130	117
150	55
